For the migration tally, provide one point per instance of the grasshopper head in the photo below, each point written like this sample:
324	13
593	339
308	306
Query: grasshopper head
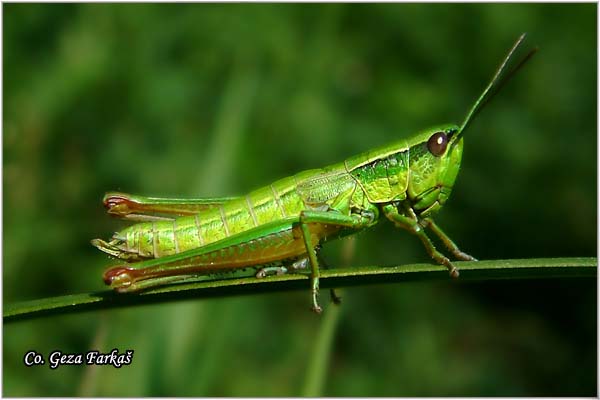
434	162
435	157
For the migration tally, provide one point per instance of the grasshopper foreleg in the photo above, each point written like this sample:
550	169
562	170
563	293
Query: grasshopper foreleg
413	225
450	245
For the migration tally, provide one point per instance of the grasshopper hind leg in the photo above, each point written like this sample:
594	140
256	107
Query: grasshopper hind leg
115	249
301	265
270	271
283	269
125	279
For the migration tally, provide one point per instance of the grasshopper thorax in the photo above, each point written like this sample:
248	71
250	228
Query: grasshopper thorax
420	171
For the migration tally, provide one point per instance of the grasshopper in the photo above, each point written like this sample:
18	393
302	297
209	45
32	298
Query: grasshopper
280	227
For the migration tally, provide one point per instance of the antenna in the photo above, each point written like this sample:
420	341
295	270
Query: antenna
502	75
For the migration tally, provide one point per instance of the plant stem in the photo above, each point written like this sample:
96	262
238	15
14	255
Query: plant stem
481	270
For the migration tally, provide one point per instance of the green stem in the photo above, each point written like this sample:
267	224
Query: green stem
481	270
316	373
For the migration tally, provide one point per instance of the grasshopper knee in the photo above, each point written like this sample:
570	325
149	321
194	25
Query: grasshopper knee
119	278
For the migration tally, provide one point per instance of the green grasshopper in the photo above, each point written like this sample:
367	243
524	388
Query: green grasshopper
280	227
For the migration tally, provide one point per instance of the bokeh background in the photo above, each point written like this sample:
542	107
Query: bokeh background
217	99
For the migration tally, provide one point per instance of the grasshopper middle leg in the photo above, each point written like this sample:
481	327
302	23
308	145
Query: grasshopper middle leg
323	218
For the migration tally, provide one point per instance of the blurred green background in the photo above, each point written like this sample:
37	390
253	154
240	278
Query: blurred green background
209	100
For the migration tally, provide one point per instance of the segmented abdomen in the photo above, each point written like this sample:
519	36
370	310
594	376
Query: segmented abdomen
161	238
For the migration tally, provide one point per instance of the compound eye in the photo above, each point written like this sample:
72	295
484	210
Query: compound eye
437	143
